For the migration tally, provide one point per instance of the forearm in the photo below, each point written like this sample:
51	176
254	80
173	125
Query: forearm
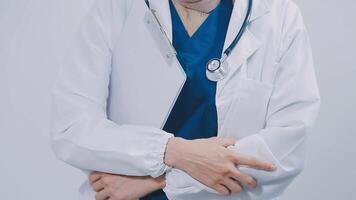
111	150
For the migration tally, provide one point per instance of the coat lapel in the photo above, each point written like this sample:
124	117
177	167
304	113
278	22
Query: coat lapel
164	15
261	7
248	43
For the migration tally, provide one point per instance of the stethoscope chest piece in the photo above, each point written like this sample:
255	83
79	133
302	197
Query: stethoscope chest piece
217	70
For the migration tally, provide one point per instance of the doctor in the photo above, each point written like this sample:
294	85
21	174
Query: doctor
241	137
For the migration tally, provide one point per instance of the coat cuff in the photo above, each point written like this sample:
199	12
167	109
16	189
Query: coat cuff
159	167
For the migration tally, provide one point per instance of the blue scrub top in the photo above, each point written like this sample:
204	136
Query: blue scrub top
194	113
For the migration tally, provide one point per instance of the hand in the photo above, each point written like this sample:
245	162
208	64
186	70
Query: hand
211	163
117	187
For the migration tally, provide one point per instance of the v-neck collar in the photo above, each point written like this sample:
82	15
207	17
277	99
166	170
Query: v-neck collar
210	36
174	13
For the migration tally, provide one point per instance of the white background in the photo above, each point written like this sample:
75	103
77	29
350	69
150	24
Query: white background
35	33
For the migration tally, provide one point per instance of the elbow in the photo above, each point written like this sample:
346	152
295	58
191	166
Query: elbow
61	149
69	153
293	163
62	144
66	135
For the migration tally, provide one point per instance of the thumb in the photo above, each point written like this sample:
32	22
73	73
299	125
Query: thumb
226	142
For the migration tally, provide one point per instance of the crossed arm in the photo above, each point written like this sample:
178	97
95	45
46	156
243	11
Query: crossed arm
208	160
84	137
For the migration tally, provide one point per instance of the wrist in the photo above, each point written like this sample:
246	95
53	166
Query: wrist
161	181
173	151
155	184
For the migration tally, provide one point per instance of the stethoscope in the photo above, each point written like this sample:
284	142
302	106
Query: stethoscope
218	68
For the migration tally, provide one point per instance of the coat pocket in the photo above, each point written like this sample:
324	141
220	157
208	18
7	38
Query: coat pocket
248	110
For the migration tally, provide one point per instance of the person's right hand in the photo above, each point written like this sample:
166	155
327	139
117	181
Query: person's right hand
210	162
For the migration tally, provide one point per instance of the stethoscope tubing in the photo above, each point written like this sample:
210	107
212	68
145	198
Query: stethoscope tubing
242	30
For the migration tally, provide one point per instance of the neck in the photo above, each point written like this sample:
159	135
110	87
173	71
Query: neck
191	19
205	6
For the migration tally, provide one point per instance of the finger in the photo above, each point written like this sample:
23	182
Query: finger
244	179
102	195
226	142
253	162
95	176
98	186
233	185
222	190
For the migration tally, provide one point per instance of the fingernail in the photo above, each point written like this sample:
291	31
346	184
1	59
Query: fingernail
273	167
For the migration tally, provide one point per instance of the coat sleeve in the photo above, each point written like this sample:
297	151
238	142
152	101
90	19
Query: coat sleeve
292	110
82	134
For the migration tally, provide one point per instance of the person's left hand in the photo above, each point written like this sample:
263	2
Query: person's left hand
118	187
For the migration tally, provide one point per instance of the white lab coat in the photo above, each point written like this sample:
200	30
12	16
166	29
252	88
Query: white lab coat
268	102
